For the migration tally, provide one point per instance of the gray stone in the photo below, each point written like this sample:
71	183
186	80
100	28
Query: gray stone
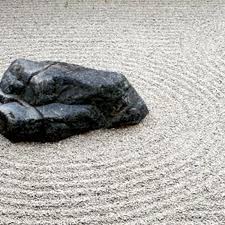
49	101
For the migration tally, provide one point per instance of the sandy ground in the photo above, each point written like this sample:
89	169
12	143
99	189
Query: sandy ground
168	170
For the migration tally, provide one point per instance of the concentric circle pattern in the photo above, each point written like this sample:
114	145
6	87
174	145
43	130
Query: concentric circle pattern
170	169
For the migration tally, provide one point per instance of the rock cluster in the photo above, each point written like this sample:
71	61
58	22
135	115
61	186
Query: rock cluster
48	101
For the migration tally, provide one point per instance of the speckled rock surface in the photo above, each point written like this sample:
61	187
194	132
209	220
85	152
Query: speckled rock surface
49	101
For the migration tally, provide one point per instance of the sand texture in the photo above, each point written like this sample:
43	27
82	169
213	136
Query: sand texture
170	169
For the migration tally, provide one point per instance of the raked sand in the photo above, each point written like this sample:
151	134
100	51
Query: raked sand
168	170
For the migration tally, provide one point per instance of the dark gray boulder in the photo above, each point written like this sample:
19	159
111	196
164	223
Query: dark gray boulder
49	101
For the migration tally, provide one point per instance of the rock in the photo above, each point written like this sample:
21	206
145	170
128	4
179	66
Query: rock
49	101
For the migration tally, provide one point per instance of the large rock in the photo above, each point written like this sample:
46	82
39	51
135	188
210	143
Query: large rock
48	101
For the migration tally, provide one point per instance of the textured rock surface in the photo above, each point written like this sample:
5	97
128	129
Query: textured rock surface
48	101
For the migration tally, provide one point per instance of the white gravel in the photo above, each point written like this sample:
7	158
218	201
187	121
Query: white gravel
168	170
